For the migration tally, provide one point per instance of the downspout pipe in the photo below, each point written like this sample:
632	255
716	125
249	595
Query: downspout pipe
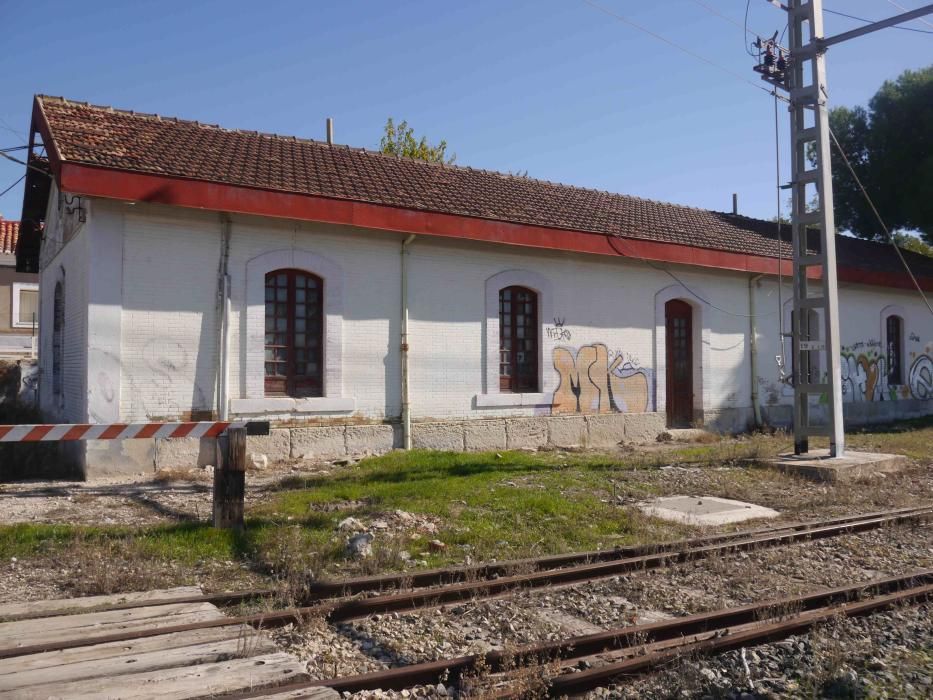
753	346
403	325
223	287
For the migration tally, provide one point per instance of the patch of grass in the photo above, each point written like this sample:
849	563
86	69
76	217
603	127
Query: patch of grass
498	505
185	542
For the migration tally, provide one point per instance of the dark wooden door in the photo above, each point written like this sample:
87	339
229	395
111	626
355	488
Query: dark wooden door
679	322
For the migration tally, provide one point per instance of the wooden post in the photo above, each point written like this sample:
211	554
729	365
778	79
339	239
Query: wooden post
230	480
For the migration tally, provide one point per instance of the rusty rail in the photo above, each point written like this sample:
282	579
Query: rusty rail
433	577
767	621
344	588
352	608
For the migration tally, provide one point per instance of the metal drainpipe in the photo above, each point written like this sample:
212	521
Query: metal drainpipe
223	284
406	405
753	346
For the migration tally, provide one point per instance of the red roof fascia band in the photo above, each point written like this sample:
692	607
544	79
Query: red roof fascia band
198	194
101	182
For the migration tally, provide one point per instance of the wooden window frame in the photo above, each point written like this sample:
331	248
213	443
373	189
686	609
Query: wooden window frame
516	382
679	310
895	370
58	338
291	383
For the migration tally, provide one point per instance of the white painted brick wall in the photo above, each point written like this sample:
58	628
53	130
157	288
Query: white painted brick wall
69	264
862	334
169	346
169	323
369	262
169	320
600	301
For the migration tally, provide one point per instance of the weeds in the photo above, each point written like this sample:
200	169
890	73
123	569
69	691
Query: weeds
485	506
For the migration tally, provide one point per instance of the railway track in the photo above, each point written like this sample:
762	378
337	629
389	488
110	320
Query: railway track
555	570
346	588
640	648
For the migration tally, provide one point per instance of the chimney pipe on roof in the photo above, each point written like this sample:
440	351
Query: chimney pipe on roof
330	131
735	203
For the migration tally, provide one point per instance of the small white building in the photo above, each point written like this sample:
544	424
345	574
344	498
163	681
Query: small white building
190	272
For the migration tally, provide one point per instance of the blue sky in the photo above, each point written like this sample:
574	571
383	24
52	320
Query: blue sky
553	87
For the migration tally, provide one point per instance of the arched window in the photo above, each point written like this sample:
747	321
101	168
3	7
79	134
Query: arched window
518	340
58	347
894	341
294	358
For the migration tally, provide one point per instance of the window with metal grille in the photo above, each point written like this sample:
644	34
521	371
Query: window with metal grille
58	329
294	359
894	339
518	340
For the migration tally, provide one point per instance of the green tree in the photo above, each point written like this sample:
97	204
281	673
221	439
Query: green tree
912	243
890	147
399	140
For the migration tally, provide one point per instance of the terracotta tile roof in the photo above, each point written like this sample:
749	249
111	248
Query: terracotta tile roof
152	144
879	257
105	137
9	233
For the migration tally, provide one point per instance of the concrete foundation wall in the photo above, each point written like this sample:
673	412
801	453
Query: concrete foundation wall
336	441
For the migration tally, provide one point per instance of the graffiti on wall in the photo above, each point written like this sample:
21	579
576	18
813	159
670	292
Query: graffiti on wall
920	376
865	375
594	380
557	331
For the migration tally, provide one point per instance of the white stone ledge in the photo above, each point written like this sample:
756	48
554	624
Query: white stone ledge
283	404
505	400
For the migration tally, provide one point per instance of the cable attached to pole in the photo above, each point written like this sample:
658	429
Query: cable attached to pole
782	357
23	162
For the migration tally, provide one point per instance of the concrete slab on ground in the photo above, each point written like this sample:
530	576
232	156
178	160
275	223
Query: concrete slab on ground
704	510
818	465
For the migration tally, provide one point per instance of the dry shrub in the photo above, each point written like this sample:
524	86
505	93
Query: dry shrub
102	567
832	649
387	555
294	563
523	677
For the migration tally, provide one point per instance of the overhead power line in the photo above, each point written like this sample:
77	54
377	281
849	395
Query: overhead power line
887	233
904	9
610	237
689	52
21	178
871	21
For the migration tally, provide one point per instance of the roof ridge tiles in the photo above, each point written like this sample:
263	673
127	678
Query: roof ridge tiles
379	154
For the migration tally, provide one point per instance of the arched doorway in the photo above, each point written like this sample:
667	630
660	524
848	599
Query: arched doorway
678	319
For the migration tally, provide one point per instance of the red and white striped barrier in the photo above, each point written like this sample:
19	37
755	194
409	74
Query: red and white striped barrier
124	431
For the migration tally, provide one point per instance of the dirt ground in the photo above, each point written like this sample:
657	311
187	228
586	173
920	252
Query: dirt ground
896	647
179	495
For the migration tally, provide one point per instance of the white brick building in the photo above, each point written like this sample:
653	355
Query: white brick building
633	315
